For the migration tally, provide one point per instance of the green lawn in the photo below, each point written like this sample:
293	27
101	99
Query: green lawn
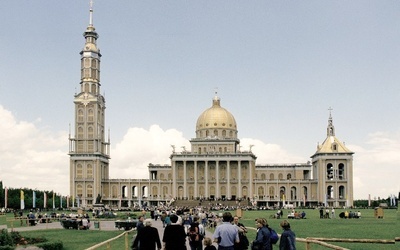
367	227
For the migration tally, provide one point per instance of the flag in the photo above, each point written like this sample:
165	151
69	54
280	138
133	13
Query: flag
34	199
6	197
54	203
22	200
369	200
44	200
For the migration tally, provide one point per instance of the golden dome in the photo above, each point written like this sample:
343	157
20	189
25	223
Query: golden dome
216	118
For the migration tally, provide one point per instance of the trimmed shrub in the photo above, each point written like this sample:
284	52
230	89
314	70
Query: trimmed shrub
55	245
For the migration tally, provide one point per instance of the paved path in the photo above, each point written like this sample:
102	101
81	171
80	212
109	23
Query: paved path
104	225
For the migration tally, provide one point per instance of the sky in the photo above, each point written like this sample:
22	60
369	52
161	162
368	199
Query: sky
278	66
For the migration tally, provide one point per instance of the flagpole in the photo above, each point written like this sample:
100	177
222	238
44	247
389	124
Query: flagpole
34	199
6	197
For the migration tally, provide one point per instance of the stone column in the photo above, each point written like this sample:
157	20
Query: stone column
240	179
206	193
228	179
196	191
217	191
184	180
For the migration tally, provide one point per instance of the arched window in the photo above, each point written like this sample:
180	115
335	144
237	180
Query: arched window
330	192
89	191
223	133
215	132
260	191
80	115
293	193
79	190
280	176
329	171
342	192
89	172
79	171
341	171
80	133
271	192
90	115
282	193
262	176
90	132
271	176
289	176
305	193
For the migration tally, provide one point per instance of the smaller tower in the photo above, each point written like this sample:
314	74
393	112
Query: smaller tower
333	170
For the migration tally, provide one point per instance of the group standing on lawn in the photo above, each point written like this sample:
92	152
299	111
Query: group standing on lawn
229	234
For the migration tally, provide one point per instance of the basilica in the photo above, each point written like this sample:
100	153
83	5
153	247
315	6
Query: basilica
213	169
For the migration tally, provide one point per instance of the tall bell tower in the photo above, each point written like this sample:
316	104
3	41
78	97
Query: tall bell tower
88	149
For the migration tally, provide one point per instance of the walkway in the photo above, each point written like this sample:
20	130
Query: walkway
104	225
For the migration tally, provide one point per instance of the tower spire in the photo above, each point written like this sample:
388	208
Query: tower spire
91	13
331	128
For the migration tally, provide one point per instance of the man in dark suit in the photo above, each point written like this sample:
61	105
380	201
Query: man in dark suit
147	237
174	237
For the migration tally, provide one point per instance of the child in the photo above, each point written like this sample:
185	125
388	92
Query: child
208	244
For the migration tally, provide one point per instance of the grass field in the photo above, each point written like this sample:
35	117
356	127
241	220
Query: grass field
367	227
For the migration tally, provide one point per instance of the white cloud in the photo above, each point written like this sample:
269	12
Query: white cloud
269	153
32	157
377	165
139	147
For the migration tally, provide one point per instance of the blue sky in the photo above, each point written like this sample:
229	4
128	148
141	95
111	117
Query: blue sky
278	67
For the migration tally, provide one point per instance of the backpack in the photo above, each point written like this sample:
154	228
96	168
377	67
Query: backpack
273	236
194	233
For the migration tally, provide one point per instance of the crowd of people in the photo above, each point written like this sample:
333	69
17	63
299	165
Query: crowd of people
229	233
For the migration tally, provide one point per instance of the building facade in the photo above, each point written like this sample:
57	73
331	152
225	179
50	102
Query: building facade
214	169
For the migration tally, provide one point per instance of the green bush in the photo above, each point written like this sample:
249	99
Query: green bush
5	238
55	245
6	248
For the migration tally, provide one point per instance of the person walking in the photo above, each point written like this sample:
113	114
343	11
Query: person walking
288	238
226	234
262	241
147	238
244	242
196	234
174	237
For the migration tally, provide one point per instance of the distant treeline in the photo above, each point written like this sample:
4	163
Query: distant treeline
14	198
